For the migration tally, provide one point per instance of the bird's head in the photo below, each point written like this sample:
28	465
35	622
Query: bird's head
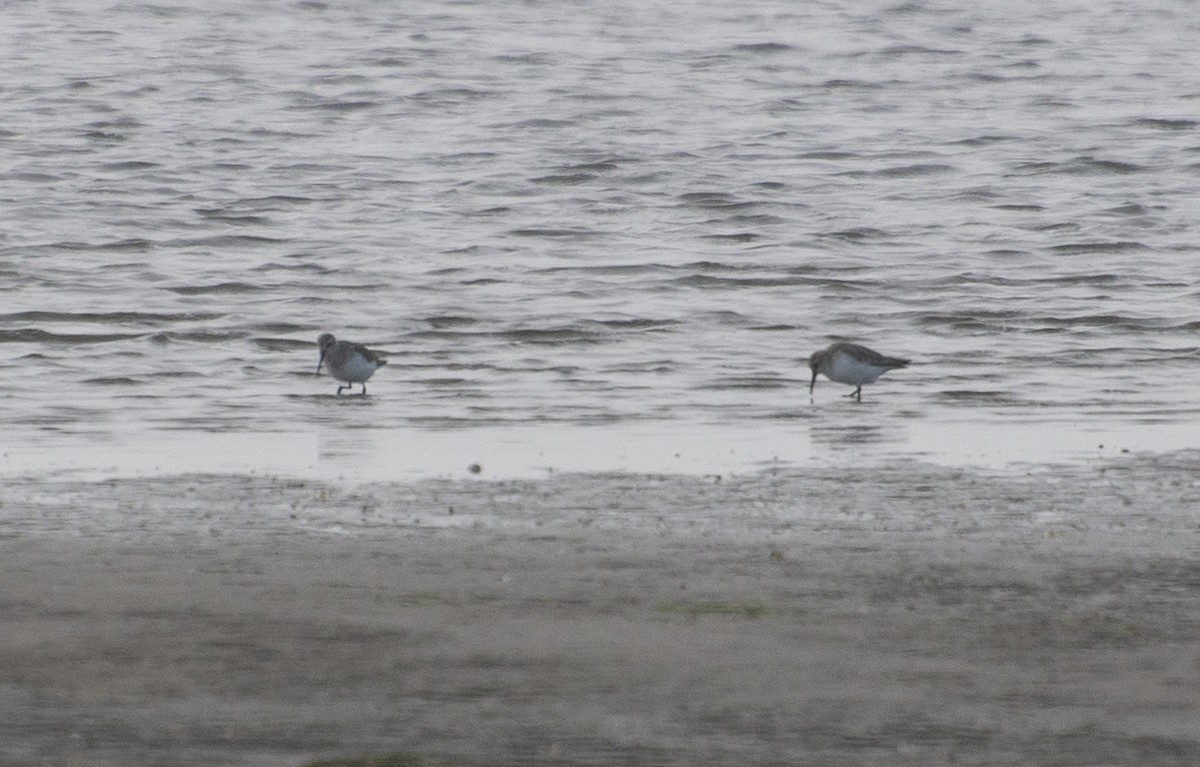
815	361
323	343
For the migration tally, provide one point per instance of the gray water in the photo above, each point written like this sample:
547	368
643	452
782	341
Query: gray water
601	222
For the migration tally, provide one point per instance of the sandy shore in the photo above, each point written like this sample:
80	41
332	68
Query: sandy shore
906	615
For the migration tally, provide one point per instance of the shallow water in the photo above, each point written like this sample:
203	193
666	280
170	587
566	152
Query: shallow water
571	228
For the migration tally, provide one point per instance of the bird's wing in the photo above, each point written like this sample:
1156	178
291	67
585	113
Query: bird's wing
364	351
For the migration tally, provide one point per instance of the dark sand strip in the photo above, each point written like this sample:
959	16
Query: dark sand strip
909	615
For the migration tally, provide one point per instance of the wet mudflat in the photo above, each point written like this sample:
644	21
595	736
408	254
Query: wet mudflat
897	615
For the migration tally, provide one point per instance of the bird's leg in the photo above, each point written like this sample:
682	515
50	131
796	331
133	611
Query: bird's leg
856	393
364	392
340	387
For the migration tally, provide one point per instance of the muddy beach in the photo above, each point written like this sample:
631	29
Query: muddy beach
907	614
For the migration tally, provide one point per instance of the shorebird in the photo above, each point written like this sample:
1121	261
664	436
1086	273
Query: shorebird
349	362
851	364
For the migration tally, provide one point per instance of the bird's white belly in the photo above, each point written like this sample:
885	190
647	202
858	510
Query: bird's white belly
357	369
845	369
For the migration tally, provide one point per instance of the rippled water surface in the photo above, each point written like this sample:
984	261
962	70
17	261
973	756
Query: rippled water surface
622	217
